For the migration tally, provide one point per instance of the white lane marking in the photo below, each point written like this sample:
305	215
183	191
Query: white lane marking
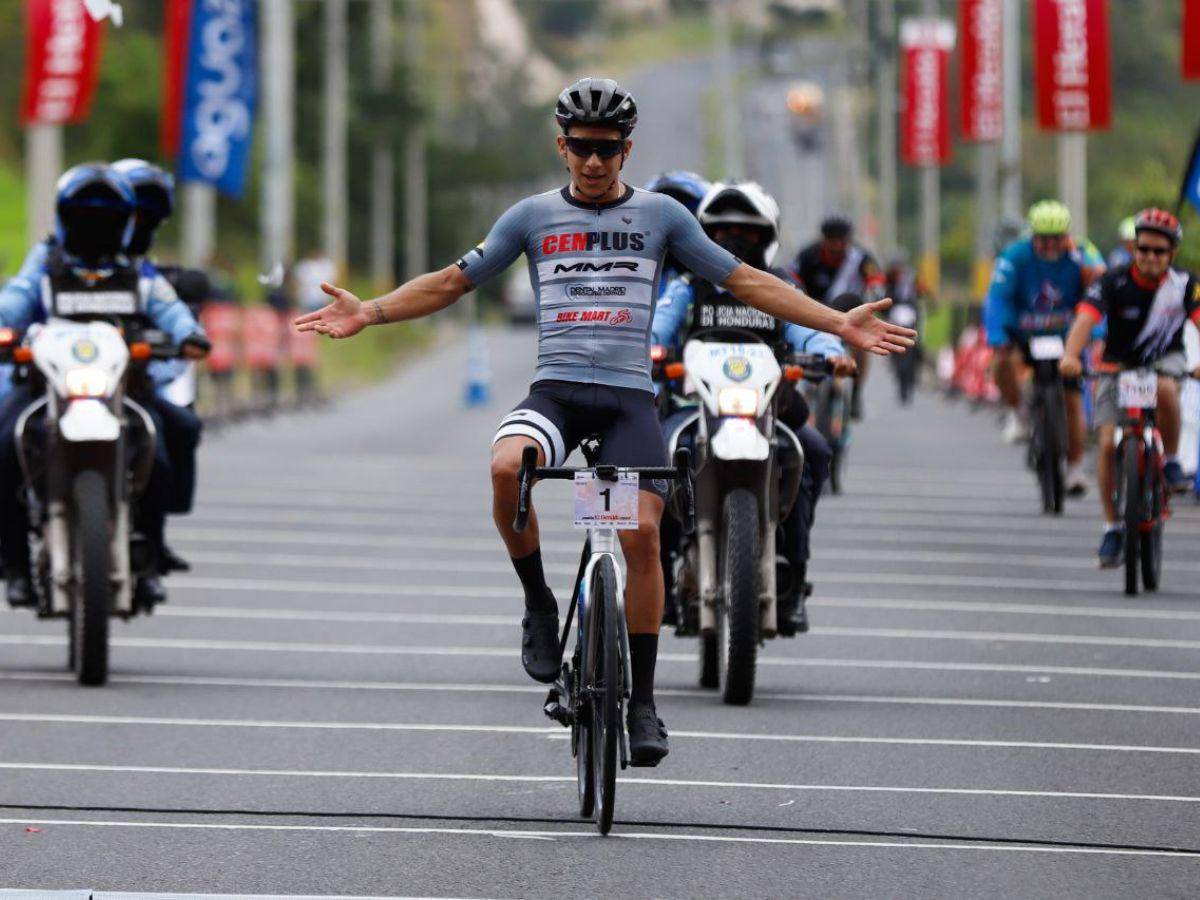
1005	583
491	688
325	561
591	835
560	734
912	535
1082	561
190	611
1086	640
390	541
550	779
815	662
905	516
1002	608
278	585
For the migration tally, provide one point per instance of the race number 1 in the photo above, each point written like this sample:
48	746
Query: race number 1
1138	389
606	504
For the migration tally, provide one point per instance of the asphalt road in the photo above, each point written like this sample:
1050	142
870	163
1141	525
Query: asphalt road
332	701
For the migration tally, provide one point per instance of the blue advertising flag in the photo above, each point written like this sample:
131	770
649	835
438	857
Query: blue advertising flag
219	94
1190	189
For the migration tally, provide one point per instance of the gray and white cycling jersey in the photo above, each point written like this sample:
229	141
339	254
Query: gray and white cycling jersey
594	270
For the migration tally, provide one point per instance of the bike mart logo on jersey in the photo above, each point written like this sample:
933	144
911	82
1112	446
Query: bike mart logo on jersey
596	316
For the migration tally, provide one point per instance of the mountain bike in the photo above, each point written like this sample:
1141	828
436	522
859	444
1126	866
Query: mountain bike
1142	498
590	694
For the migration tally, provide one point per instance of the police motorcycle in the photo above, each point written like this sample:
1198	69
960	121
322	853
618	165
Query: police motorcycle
86	448
747	468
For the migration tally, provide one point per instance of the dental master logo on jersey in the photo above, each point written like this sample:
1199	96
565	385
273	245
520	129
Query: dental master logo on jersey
587	291
589	241
596	316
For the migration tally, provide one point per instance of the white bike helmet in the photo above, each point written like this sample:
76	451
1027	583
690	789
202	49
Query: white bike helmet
742	203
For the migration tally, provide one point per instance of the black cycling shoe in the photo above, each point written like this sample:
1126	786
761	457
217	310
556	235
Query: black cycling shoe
19	590
148	593
647	735
170	561
540	649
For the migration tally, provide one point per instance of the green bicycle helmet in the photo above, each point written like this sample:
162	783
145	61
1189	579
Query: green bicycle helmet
1125	229
1049	217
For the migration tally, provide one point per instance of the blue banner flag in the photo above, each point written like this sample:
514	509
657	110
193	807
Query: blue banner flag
1190	189
219	93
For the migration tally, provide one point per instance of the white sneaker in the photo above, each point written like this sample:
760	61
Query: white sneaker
1075	481
1015	430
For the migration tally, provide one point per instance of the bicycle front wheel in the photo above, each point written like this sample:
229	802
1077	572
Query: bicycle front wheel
1131	486
603	686
1151	538
1050	448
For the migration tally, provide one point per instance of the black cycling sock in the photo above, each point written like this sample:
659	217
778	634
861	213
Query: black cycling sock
643	653
533	580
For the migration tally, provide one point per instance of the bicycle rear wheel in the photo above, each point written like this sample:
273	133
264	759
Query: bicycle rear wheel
1131	481
1049	449
605	689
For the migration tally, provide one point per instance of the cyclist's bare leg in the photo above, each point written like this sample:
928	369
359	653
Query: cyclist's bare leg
644	593
1076	427
1167	415
1007	368
506	463
1105	471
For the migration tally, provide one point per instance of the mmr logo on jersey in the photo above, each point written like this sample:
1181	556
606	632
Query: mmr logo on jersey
559	268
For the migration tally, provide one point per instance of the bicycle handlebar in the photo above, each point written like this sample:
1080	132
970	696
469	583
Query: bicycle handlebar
530	471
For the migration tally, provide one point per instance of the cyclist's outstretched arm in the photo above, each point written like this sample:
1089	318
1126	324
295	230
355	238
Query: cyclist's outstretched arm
346	315
858	328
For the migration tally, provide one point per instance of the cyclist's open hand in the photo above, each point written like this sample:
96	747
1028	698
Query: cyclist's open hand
1070	366
343	318
865	330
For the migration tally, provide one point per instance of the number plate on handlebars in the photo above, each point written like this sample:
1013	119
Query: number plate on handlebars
1138	389
606	504
1046	346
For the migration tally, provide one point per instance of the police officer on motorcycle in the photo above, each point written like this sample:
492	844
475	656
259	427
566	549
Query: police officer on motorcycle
174	379
744	219
95	219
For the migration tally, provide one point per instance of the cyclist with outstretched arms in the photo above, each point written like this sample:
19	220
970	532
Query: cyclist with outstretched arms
1147	303
595	249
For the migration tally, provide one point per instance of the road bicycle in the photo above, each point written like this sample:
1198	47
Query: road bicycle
1048	420
591	692
1142	498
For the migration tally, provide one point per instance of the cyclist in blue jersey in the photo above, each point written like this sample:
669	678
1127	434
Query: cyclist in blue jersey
1036	283
595	251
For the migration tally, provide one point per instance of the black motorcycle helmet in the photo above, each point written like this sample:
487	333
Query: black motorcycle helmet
155	192
94	212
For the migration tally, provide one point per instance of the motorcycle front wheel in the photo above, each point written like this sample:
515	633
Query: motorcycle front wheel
93	595
738	613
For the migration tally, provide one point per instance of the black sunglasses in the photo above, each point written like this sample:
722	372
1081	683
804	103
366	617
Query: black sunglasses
1152	251
604	148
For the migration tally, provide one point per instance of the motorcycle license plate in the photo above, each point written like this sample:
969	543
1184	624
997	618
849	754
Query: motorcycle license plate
1046	346
95	303
1138	389
903	315
606	504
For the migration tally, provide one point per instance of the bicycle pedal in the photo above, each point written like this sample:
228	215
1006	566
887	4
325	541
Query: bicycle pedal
554	709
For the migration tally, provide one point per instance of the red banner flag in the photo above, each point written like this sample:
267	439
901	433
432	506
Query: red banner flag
62	50
1074	79
1191	40
981	94
178	33
925	123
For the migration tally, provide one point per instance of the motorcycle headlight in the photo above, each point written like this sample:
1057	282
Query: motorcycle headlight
737	401
86	381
